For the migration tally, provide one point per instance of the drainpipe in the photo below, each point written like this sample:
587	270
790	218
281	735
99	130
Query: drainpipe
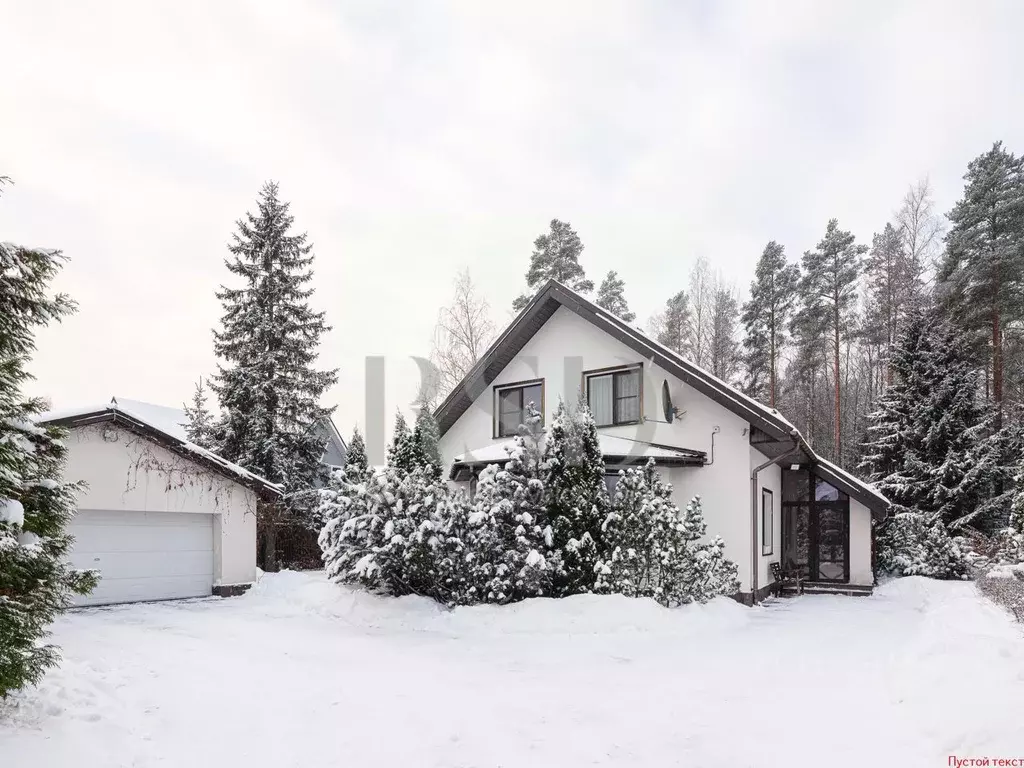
755	554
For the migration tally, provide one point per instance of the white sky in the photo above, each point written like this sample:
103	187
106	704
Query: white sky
417	138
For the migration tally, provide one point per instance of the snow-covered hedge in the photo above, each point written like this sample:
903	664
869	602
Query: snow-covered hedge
542	525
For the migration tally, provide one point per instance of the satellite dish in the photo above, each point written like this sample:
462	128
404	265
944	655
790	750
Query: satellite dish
666	402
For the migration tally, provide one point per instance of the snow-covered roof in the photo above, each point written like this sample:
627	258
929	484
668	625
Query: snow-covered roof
617	449
170	420
150	418
778	430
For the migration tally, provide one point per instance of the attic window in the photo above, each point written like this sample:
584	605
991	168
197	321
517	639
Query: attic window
510	404
614	395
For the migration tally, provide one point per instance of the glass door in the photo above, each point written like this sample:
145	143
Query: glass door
796	543
831	561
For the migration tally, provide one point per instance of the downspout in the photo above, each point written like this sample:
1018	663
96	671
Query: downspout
755	555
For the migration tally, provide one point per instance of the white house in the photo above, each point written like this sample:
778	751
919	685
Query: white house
764	490
159	517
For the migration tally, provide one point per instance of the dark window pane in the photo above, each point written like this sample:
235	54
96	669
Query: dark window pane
532	394
627	396
795	485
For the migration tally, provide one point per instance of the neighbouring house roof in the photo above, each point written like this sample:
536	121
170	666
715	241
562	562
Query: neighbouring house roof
616	451
777	432
152	426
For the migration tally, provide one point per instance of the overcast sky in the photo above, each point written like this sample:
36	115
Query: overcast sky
417	138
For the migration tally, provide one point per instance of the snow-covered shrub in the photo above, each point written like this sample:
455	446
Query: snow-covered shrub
576	497
655	550
909	546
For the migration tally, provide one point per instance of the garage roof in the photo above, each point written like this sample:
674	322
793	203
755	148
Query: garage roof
139	421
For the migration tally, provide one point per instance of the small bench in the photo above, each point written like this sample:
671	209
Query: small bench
786	577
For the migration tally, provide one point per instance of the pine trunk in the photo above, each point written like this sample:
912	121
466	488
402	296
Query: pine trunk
836	451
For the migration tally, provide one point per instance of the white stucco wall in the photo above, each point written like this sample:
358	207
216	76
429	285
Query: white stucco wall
860	544
132	473
724	485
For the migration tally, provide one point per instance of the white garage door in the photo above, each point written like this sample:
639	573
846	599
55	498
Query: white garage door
144	555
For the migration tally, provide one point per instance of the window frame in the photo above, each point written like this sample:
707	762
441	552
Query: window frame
611	371
767	531
496	403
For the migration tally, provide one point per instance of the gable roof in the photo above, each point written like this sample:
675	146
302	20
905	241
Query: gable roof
769	423
143	423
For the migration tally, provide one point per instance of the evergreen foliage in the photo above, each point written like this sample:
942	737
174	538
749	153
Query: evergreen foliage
425	436
267	384
36	506
674	326
556	255
654	549
199	427
612	297
765	318
357	464
577	499
403	453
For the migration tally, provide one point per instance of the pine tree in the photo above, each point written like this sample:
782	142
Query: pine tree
765	317
199	427
673	328
982	275
556	255
611	296
577	499
828	298
723	350
267	385
36	582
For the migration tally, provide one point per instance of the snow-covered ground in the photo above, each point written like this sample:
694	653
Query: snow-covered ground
303	673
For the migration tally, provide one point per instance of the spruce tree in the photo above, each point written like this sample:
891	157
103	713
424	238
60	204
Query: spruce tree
577	499
404	452
357	464
425	437
199	427
611	296
828	298
36	583
765	318
267	384
673	327
723	349
556	255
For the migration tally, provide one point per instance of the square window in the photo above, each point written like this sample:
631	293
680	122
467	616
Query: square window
511	404
614	397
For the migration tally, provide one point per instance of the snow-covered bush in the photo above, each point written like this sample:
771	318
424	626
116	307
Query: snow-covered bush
576	496
909	546
655	550
403	531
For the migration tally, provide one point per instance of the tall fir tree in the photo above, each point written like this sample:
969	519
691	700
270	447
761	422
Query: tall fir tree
556	255
267	383
828	299
36	506
765	318
199	424
611	295
576	496
673	328
981	277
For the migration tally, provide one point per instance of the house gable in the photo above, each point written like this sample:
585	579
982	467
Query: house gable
513	353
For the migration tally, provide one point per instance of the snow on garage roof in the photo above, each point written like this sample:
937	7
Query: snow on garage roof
157	422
